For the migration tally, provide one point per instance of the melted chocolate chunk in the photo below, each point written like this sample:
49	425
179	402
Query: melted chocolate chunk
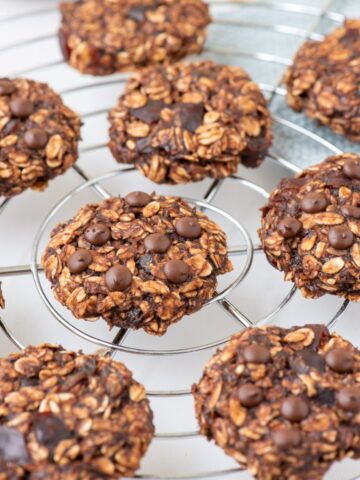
189	115
12	446
50	430
150	113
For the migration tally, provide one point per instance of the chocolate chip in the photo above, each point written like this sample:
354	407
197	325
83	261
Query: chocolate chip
289	227
50	430
294	409
97	234
79	261
351	168
349	399
250	395
340	360
351	211
137	13
7	87
189	115
340	237
21	107
118	278
150	113
137	199
307	359
256	354
313	202
286	438
157	243
188	227
176	271
12	446
36	138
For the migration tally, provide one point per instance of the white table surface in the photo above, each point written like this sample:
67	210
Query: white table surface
257	295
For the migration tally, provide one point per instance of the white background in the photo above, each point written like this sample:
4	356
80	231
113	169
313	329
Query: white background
261	291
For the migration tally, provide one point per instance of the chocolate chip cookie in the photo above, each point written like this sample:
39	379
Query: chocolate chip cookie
310	228
39	136
143	261
101	37
184	122
324	80
284	403
66	415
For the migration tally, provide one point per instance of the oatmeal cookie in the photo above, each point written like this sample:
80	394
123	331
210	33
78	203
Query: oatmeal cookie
39	136
284	403
324	80
310	228
101	37
67	416
184	122
143	261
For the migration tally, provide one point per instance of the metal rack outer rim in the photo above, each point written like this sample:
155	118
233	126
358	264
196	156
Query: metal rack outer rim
283	6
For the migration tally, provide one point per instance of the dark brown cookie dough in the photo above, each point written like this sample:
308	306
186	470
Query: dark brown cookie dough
324	80
101	37
311	228
39	136
184	122
143	261
67	416
284	403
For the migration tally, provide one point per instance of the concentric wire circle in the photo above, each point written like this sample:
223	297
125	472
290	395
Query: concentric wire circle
201	204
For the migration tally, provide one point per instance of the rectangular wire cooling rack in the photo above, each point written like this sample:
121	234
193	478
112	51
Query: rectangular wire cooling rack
260	36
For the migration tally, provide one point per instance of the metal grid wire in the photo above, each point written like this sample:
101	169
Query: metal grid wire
247	249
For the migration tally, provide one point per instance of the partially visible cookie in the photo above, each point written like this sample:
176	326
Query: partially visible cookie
284	403
101	37
66	416
184	122
324	80
310	228
142	261
39	136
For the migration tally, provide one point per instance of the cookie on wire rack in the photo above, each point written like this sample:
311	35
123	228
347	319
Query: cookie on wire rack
184	122
101	37
66	416
310	228
284	403
142	261
324	80
39	136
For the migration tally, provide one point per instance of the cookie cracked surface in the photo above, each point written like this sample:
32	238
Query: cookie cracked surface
324	80
39	136
143	261
101	37
310	228
184	122
67	416
284	403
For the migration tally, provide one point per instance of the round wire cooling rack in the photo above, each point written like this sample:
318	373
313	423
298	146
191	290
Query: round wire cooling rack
247	250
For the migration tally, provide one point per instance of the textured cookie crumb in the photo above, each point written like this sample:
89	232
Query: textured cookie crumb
67	416
310	228
142	261
284	403
324	80
184	122
39	136
101	37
